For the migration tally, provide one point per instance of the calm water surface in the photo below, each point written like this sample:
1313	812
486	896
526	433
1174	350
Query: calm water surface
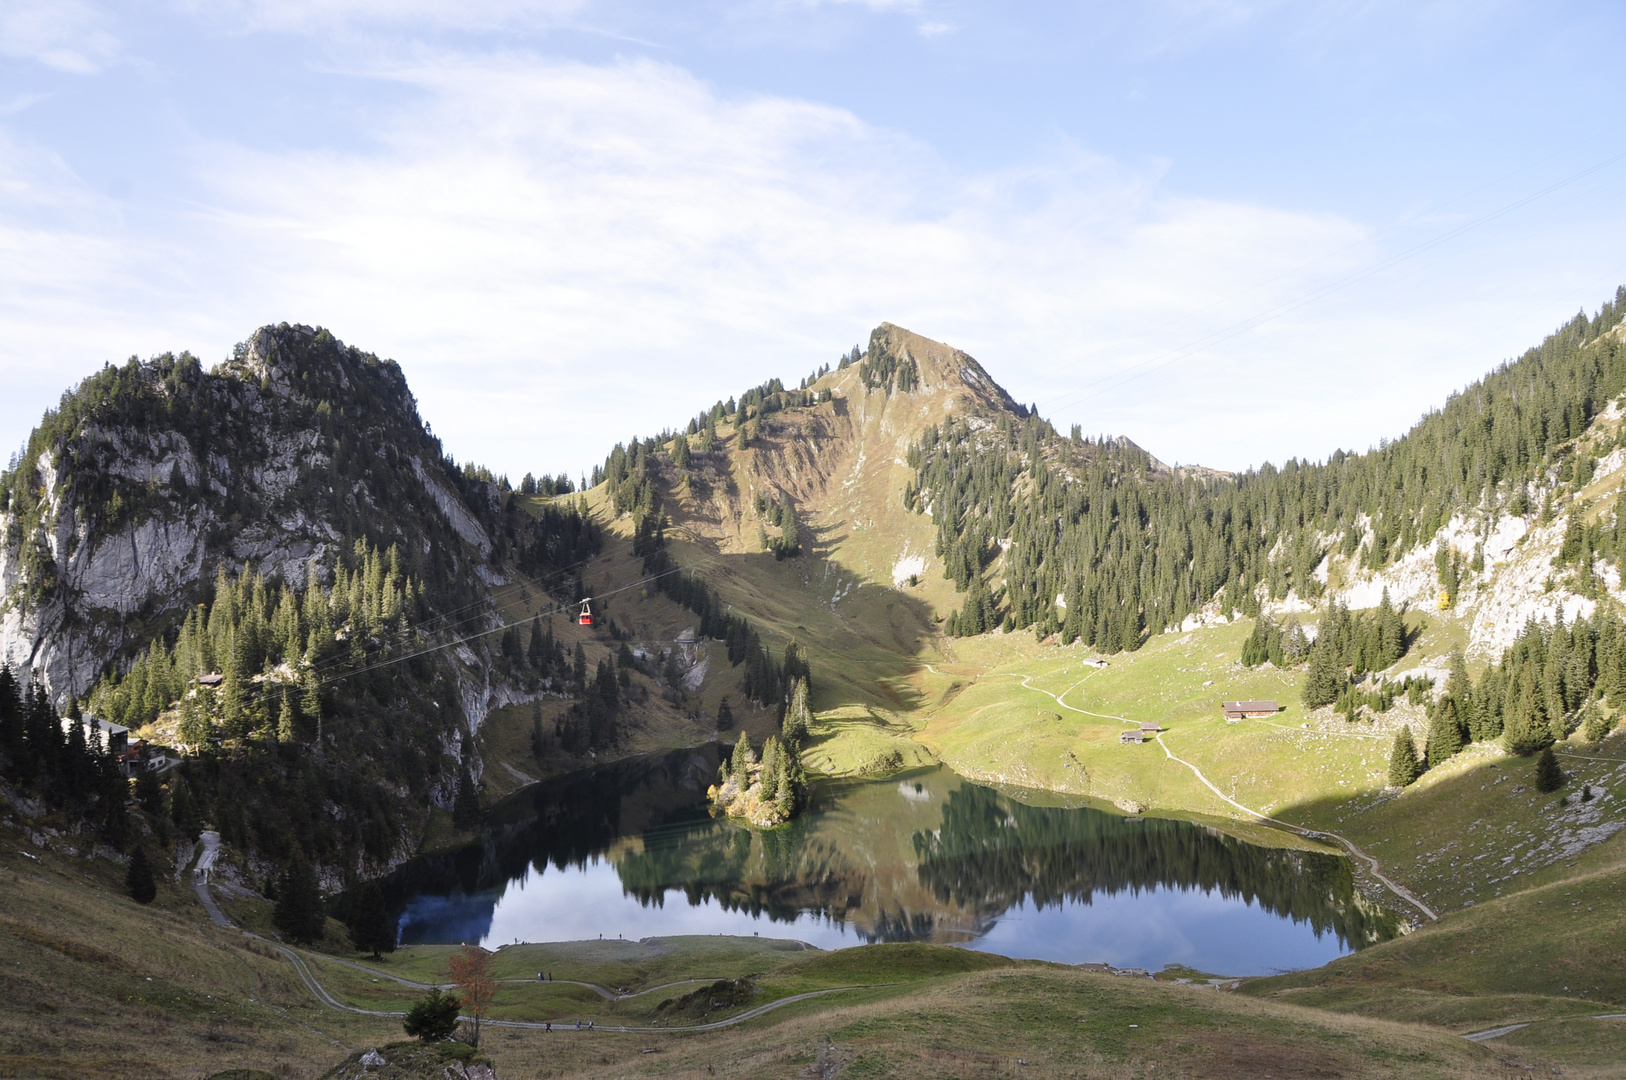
630	850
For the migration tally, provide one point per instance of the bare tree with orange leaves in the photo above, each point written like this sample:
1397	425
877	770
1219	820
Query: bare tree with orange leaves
471	972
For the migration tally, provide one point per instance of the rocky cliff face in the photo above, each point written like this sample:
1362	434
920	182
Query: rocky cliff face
1514	567
152	475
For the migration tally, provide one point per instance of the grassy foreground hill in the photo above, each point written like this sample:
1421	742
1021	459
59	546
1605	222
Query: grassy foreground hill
102	987
803	513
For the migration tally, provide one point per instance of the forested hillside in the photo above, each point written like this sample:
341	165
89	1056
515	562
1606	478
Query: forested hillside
268	564
1131	547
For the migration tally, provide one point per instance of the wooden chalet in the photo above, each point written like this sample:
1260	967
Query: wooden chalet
1249	710
1131	737
115	737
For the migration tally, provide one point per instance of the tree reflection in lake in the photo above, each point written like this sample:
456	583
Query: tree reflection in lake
631	849
992	852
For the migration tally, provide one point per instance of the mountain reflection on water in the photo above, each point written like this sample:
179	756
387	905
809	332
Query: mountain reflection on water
630	849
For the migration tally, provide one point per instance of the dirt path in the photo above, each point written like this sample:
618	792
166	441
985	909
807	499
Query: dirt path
602	991
1493	1033
302	968
200	878
1372	864
314	985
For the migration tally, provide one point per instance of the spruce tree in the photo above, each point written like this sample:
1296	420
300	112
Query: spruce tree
770	770
798	717
433	1017
1404	768
232	713
1324	679
604	683
725	715
1526	730
287	729
138	879
1391	634
299	912
1549	777
183	808
1595	726
1444	736
149	792
787	796
739	765
537	654
370	928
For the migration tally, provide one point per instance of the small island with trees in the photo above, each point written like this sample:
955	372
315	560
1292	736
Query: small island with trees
769	790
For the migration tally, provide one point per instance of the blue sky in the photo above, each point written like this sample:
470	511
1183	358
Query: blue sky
1231	231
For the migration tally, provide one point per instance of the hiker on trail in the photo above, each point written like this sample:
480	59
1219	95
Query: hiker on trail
578	1025
547	1027
590	1026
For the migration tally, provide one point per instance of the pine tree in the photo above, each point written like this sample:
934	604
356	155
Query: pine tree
798	716
287	731
1404	768
299	912
539	649
604	684
510	645
1325	677
310	700
231	690
1459	687
787	795
739	765
1526	729
371	929
1549	777
1595	726
725	715
769	784
1444	734
433	1017
183	810
1391	634
149	793
138	879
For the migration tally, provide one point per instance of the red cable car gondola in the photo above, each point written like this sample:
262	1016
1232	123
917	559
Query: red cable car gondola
586	616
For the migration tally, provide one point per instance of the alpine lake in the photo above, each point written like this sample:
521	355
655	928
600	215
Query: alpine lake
631	850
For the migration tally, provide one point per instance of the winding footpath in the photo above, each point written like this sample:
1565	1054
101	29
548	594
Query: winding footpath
307	976
1372	864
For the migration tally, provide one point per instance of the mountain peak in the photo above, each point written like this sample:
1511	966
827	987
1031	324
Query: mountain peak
939	366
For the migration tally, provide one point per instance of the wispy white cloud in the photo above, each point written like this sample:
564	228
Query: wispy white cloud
621	236
314	15
68	35
564	254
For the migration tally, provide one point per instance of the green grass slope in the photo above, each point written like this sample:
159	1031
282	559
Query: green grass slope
100	986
